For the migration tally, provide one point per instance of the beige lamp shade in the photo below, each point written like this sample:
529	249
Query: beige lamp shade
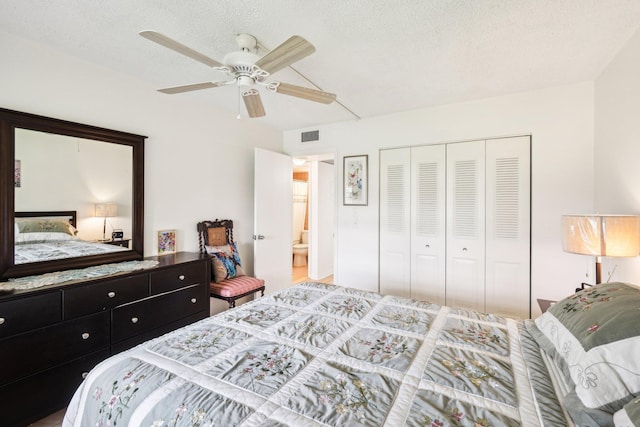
106	210
601	235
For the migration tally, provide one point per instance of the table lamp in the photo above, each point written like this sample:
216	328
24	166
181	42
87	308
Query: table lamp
106	210
601	236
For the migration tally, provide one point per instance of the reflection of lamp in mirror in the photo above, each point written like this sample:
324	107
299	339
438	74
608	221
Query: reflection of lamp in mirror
601	236
106	210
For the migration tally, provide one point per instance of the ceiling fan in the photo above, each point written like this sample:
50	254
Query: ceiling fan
247	70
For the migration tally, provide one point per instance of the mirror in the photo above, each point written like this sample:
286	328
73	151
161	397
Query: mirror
53	165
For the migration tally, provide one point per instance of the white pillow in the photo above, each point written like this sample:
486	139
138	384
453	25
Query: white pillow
42	237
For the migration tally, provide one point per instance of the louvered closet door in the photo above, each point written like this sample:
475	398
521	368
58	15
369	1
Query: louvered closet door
428	240
395	228
466	225
508	226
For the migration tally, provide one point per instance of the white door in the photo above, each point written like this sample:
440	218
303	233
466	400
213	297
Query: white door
395	222
508	226
321	219
466	225
428	239
272	247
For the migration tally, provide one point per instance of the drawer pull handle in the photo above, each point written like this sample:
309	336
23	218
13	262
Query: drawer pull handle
85	336
193	300
84	375
134	320
1	320
111	294
181	277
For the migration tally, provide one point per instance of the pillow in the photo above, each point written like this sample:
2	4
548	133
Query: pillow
217	236
629	415
225	264
22	238
594	337
45	225
223	248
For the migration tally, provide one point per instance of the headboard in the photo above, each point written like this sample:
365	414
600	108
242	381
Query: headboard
70	215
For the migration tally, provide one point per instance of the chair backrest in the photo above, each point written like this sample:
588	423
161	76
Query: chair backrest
214	233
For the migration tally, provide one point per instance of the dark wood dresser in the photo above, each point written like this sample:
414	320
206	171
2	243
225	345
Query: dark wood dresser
52	336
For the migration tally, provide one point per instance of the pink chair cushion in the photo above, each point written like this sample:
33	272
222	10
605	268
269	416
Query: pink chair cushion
236	286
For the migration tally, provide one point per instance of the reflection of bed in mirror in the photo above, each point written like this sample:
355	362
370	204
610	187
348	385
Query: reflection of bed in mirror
51	235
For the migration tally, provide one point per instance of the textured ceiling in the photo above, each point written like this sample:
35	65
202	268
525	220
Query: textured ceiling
378	56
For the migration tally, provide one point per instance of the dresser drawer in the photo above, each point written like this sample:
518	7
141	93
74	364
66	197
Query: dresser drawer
24	314
43	348
33	398
178	276
136	318
92	298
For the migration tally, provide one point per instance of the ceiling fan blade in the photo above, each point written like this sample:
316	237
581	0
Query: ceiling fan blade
306	93
292	50
253	102
178	47
189	88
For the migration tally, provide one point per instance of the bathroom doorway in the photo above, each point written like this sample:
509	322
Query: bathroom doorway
313	219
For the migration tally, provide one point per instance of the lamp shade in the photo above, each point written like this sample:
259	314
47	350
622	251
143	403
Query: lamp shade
106	210
601	235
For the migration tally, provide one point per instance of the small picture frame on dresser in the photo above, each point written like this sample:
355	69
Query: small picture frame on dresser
166	242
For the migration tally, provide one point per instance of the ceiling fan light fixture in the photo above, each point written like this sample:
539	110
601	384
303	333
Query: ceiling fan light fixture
246	69
244	81
240	59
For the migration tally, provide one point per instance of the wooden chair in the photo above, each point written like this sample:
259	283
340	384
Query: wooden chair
220	233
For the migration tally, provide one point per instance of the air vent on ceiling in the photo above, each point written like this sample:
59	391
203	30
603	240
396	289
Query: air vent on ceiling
312	135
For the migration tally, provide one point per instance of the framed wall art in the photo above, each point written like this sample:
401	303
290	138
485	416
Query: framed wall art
356	185
166	242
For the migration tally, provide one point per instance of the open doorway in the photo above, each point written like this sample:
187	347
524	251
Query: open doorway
313	221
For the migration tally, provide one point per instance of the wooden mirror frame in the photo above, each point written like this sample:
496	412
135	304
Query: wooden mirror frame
9	121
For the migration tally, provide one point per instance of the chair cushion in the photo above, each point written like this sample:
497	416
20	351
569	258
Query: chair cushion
236	286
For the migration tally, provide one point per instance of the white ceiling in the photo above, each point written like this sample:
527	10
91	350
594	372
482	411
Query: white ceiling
378	56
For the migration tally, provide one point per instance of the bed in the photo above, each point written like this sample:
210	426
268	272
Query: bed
325	355
46	236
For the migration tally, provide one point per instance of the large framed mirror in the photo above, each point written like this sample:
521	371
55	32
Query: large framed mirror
71	195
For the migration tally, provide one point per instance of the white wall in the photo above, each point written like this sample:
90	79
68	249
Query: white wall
198	161
560	121
617	147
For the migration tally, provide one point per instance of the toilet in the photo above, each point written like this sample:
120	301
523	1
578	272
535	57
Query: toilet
301	250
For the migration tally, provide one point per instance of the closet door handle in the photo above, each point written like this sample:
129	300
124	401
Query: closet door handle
111	294
85	336
1	320
134	320
194	300
181	277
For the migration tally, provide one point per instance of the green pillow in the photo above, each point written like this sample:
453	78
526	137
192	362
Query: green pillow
45	226
594	336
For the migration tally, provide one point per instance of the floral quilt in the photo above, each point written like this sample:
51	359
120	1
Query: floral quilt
324	355
58	249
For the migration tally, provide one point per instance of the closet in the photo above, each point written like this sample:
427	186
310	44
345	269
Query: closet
455	224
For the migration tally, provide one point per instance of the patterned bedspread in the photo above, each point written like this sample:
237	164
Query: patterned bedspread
58	249
324	355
